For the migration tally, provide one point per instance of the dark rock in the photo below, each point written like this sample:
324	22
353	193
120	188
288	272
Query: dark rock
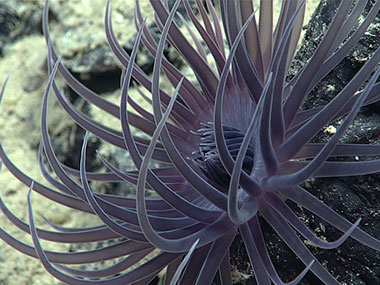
352	197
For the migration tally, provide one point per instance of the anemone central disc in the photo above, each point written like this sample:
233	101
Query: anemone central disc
207	156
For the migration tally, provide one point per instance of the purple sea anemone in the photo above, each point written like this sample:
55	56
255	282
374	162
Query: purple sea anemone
233	148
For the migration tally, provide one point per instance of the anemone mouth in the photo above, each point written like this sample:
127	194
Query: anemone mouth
207	156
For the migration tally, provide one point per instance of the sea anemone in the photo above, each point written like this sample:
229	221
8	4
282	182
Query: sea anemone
224	152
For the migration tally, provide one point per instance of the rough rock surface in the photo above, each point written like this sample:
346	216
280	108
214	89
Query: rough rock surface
352	197
18	18
23	54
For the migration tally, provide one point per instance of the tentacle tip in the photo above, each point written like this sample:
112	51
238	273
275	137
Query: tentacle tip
356	224
30	189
